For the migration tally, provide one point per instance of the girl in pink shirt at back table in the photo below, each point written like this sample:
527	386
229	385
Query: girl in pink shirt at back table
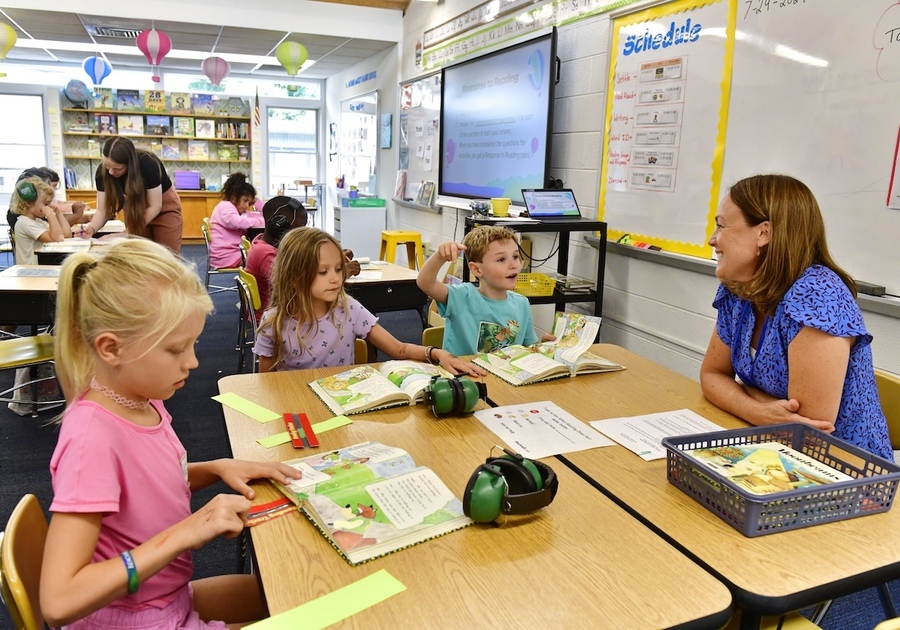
118	549
230	220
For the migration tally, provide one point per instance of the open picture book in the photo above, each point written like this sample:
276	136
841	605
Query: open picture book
367	387
370	500
568	355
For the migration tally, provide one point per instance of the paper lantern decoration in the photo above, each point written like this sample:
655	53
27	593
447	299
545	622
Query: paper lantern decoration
77	92
291	55
215	69
155	45
97	69
8	39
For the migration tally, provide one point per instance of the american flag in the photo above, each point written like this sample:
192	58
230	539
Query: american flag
256	120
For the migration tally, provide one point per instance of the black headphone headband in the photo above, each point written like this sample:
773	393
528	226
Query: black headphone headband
531	501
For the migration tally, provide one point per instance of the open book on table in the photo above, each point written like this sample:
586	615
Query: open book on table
367	387
568	355
370	500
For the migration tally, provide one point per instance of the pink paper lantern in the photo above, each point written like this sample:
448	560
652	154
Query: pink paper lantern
215	69
155	45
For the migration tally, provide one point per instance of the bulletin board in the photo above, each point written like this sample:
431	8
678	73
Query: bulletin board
418	126
811	93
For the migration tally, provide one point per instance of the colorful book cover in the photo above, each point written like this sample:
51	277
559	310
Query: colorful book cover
198	150
159	125
204	128
103	98
243	152
227	152
79	122
220	105
238	107
93	148
129	100
131	124
202	104
171	149
180	103
183	126
155	100
105	123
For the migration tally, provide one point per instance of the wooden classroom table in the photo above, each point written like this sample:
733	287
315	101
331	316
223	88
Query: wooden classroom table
769	574
28	295
582	562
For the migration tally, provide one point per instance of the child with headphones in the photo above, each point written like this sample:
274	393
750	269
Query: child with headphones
311	322
230	220
490	315
37	220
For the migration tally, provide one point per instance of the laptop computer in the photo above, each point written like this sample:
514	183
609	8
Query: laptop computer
551	203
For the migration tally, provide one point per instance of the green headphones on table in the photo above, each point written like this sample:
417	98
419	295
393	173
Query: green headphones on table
509	484
453	395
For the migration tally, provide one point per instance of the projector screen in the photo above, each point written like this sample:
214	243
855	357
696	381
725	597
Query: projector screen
496	122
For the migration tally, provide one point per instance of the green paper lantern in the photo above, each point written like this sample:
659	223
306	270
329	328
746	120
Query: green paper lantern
291	55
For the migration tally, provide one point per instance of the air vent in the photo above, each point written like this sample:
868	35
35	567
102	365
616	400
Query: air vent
111	31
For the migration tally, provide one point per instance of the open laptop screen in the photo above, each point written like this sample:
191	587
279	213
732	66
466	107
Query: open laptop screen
550	202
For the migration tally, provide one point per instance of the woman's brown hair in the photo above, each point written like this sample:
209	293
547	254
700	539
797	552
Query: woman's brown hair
122	151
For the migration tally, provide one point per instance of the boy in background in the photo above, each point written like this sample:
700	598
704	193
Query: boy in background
488	316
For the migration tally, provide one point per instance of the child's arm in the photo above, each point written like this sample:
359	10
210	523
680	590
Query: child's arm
428	275
59	228
236	473
394	348
73	586
266	364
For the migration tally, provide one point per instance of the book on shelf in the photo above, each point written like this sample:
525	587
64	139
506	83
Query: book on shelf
171	150
202	104
220	105
243	152
204	128
105	124
227	152
131	124
156	148
183	126
425	196
159	125
155	100
400	184
366	387
179	103
568	355
238	106
198	150
129	100
766	467
93	148
370	500
103	98
79	122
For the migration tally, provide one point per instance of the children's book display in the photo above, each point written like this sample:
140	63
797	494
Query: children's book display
159	125
103	98
202	104
183	126
131	124
129	100
366	388
568	355
198	150
155	100
180	103
170	149
105	123
204	128
371	499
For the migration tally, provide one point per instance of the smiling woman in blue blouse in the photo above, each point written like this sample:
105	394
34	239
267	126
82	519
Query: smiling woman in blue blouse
788	324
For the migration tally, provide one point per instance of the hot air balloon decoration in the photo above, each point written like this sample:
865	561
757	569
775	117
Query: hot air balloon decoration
155	45
215	69
291	55
8	39
97	68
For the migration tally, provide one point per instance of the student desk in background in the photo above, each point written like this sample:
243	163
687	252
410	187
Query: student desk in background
394	290
580	562
28	295
769	574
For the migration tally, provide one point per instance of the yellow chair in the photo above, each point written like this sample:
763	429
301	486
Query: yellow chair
433	336
207	237
248	327
889	392
790	621
363	352
391	239
21	555
22	352
245	250
889	624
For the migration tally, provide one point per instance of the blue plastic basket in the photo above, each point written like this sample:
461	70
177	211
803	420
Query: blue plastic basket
871	490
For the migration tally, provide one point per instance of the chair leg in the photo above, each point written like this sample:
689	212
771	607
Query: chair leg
820	611
884	594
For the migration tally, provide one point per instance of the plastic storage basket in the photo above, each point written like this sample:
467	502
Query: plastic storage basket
871	490
534	284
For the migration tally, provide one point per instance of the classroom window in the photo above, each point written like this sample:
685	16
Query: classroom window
22	143
293	141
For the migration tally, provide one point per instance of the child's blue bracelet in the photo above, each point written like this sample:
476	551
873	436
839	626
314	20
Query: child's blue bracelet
133	581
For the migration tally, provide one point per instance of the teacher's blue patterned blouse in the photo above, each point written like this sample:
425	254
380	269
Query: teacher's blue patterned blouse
818	299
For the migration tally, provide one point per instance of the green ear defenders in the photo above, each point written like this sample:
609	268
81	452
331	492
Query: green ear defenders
453	395
26	191
509	484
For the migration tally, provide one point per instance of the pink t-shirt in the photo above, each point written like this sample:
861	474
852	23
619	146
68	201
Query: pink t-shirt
227	226
135	476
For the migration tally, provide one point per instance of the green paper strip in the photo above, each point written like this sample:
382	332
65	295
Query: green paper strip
274	440
336	606
238	403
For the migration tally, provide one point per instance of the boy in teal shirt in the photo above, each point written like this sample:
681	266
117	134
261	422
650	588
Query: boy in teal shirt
489	316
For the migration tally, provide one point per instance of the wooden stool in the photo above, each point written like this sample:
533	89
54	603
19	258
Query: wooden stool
391	239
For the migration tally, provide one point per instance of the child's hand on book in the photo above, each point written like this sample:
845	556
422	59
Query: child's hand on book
449	251
236	473
548	337
455	365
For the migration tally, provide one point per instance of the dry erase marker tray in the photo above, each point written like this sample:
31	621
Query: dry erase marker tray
870	489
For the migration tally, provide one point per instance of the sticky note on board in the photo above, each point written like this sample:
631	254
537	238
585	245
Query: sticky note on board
247	407
337	605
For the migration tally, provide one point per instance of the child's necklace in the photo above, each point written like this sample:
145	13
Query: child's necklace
128	403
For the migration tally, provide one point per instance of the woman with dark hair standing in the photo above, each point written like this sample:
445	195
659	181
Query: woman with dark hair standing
135	181
231	219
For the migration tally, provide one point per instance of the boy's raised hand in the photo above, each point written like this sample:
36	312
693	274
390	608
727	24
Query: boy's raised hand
449	251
